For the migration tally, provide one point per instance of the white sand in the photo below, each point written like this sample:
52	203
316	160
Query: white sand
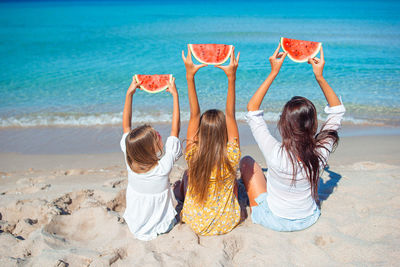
66	210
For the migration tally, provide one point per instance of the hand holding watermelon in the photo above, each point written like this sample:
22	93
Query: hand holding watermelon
132	88
172	87
276	60
317	64
230	70
191	68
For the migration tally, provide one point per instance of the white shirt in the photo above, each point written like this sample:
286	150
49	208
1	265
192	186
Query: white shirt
285	199
149	207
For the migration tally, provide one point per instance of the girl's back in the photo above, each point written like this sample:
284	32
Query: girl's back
212	153
220	212
154	181
149	207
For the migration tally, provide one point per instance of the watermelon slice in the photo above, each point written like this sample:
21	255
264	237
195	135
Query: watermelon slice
211	54
153	83
299	51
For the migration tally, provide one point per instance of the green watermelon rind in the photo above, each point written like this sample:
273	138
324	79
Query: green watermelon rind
212	63
304	60
149	91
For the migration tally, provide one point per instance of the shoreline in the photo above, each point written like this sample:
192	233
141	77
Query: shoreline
351	149
105	139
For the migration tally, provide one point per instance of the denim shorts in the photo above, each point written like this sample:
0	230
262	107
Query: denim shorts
261	214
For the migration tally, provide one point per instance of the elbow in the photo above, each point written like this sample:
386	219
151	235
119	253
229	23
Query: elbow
249	107
253	106
126	125
229	115
230	119
179	127
126	129
194	116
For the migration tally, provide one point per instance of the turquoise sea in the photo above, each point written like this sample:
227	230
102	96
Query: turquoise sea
70	63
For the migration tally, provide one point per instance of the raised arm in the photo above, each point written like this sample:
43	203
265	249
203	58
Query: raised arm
318	67
194	120
176	119
276	61
127	114
230	116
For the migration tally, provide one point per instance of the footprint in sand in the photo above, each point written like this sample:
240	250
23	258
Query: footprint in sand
70	172
369	166
86	226
29	186
4	175
108	258
321	241
118	204
25	216
116	183
70	202
232	246
28	189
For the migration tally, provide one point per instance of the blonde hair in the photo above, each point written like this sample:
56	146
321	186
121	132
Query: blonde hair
142	145
210	153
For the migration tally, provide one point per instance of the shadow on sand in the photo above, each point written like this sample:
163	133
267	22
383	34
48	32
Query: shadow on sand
326	188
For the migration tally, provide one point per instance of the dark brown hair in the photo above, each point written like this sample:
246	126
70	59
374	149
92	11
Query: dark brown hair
211	140
142	146
298	125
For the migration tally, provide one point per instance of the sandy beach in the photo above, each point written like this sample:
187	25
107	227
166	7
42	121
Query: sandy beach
67	65
66	210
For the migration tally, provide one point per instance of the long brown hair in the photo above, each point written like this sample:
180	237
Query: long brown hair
298	125
142	145
211	140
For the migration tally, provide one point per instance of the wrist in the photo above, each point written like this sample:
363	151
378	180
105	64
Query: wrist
231	77
274	73
190	76
319	77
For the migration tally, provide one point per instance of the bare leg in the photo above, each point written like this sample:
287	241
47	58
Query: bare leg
180	188
253	179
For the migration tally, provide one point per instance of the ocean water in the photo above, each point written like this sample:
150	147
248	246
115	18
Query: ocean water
70	63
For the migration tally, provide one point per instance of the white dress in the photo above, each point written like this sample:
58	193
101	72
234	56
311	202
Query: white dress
284	199
149	207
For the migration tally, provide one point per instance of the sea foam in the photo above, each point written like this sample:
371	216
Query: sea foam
71	119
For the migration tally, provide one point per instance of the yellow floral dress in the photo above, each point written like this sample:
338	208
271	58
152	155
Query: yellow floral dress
221	211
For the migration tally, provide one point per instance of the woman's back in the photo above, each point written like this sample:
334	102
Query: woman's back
289	197
285	200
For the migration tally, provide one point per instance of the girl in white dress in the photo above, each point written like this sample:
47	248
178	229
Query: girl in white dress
285	200
149	207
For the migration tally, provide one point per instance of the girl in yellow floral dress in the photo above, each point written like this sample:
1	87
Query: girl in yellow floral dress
211	205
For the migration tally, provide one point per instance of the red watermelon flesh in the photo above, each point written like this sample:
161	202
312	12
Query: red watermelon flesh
211	54
153	83
298	50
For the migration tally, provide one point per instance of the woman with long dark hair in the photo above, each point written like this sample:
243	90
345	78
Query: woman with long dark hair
286	199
